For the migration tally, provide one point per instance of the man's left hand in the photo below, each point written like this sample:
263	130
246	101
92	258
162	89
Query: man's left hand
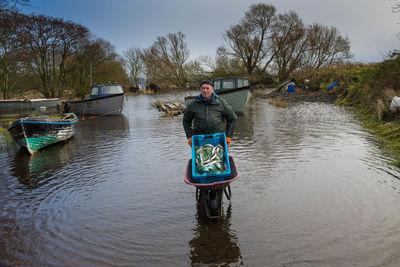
228	140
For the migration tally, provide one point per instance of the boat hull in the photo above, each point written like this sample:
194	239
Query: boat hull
29	104
236	98
36	133
106	105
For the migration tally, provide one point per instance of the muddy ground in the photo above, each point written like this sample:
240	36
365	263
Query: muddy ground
300	95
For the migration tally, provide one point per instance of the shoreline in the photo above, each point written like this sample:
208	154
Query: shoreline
300	95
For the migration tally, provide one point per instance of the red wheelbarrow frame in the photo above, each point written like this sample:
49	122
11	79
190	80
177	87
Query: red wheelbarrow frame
204	189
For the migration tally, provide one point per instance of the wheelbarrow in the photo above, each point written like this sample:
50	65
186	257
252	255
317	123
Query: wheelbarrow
211	194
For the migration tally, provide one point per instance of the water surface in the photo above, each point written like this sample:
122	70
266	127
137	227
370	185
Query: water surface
315	189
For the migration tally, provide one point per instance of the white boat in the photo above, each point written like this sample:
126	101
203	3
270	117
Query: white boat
105	99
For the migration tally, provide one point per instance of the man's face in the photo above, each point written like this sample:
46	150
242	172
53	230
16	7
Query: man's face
206	91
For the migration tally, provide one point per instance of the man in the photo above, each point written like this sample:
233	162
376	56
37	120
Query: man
208	114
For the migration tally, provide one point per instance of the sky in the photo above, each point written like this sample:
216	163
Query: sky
370	25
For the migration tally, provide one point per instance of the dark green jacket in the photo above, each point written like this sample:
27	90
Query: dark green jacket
208	118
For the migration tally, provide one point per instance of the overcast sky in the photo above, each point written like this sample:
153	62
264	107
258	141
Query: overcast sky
370	25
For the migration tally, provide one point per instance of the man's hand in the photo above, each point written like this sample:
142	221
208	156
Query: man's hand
228	140
190	141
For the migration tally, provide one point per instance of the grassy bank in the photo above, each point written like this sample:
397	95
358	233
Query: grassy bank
369	89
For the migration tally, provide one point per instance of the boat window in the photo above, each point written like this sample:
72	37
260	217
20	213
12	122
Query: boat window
228	84
217	85
243	82
112	89
95	91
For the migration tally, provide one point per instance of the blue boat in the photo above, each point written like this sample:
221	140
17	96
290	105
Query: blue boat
35	133
105	99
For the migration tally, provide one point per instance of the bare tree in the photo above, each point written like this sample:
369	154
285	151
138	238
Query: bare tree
226	66
195	72
95	62
135	64
70	38
165	60
289	42
50	55
248	40
83	65
10	25
157	62
179	54
49	43
278	45
11	5
325	46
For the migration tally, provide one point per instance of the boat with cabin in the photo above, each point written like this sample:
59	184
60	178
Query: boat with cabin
29	104
234	90
105	99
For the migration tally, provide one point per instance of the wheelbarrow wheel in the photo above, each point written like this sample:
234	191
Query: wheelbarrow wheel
198	195
228	192
214	208
214	203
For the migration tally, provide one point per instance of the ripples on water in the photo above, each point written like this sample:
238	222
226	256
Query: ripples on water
314	189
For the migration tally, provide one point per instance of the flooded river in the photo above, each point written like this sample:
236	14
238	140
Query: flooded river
315	189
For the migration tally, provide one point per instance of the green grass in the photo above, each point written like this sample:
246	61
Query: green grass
388	132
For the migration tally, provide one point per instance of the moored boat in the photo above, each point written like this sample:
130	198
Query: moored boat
30	104
35	133
105	99
235	91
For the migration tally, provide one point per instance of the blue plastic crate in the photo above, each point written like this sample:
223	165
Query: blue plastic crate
213	139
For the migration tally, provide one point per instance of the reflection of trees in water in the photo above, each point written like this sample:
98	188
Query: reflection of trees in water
5	141
214	242
33	170
101	137
107	123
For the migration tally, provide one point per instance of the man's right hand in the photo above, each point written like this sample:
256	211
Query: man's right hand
190	141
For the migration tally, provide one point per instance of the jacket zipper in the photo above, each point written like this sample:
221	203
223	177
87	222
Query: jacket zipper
208	123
